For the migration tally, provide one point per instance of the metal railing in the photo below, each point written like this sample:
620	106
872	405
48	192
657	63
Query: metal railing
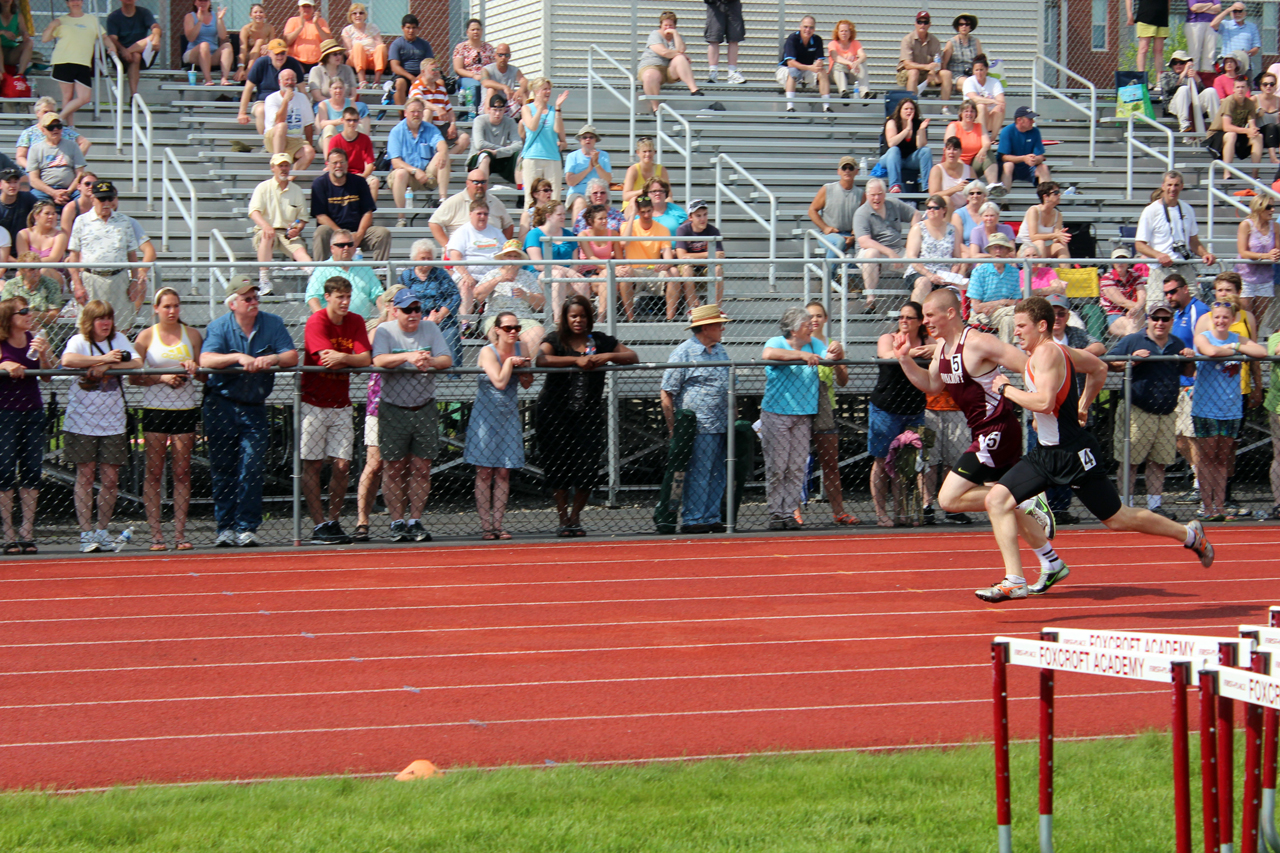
1132	142
117	89
1037	83
825	275
770	225
1215	193
217	280
686	151
188	210
142	135
628	101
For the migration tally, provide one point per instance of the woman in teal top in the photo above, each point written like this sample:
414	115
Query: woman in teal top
548	221
15	44
543	137
787	410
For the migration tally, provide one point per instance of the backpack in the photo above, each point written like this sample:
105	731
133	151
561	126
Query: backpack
1084	240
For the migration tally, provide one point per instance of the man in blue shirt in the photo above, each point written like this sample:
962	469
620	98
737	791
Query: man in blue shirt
1187	311
1021	151
994	289
235	412
1236	33
419	157
802	61
405	57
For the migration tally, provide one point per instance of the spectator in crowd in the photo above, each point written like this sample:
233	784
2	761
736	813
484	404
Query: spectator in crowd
918	62
475	241
1269	114
207	41
994	288
82	201
1154	396
44	238
15	204
469	60
951	438
419	157
456	210
664	60
495	142
53	163
548	221
786	413
330	112
23	439
41	293
104	241
339	201
1044	228
1202	41
93	426
1227	287
304	33
960	53
543	129
263	79
170	412
289	122
581	166
72	59
513	289
1124	297
437	293
371	474
1177	84
826	434
834	205
969	214
1235	66
146	250
15	42
431	89
906	152
1187	313
334	337
405	57
1257	240
571	413
278	211
540	192
802	62
895	405
254	38
1167	231
1151	20
641	172
1235	33
598	194
986	93
495	440
35	133
359	149
1021	151
235	412
1234	131
990	224
601	247
725	23
877	228
503	78
699	235
332	66
642	255
1044	278
133	32
365	296
665	211
949	178
1065	333
1272	405
408	420
847	58
366	50
704	392
931	238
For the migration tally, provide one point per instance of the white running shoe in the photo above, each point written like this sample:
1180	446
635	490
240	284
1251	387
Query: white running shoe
1002	590
735	77
89	542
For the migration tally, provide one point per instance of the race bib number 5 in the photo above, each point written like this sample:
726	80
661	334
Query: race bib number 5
991	440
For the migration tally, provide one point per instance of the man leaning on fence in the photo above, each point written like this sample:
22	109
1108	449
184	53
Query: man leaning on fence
104	241
235	412
1167	231
705	392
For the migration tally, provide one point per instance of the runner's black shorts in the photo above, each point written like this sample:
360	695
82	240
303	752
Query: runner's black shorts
971	468
1078	468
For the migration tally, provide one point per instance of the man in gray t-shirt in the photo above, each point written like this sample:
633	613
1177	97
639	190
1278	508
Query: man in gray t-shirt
495	134
877	228
53	163
501	77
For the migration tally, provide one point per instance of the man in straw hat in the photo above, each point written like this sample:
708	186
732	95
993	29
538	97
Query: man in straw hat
705	392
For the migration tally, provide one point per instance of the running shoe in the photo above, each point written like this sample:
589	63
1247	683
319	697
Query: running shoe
248	539
399	531
89	542
417	532
1002	590
736	78
1048	577
1201	544
1164	513
226	539
1040	511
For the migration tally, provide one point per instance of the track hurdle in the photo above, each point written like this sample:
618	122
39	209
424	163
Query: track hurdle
1267	639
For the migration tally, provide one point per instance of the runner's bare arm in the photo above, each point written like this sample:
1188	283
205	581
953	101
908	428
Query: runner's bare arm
991	349
1050	371
1095	370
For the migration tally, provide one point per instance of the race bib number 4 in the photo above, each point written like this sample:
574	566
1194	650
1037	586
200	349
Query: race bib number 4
1086	459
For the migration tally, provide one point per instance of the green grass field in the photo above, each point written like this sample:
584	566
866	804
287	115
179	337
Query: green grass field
1112	795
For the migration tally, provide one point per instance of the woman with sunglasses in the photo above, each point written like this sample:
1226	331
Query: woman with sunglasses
1268	119
22	439
45	236
41	292
1043	227
365	48
895	405
495	440
1256	239
959	51
950	177
932	237
968	215
81	204
541	192
641	172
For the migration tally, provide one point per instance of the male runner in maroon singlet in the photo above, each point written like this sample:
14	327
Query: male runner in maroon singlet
1067	453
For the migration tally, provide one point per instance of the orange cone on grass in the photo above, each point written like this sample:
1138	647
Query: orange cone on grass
420	769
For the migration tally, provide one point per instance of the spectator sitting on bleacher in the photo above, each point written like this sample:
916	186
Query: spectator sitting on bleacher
960	53
365	48
208	42
33	134
366	288
1021	151
987	95
44	236
430	88
469	59
968	216
304	33
802	62
877	228
1044	278
15	204
290	122
1234	132
994	289
54	164
340	201
503	78
664	61
698	240
1237	35
949	178
641	172
665	211
906	140
1176	83
513	289
456	210
1269	113
332	66
82	203
495	142
598	194
104	241
263	79
1123	296
834	205
847	58
1173	239
278	210
477	240
254	38
329	112
1235	66
358	147
581	166
918	67
1044	228
405	56
933	237
975	143
1067	332
437	292
419	156
133	31
16	43
641	255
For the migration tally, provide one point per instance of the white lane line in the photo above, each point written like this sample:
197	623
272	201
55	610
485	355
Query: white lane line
585	718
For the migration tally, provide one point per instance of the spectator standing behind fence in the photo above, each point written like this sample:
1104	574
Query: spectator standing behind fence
365	49
235	412
170	413
495	142
895	405
54	164
437	293
906	145
334	337
263	79
994	288
408	420
826	433
93	427
1167	231
304	33
802	62
207	41
1151	22
22	440
1236	33
342	202
289	122
932	238
1123	295
664	60
786	413
1257	240
848	58
72	59
40	293
725	23
469	60
1272	405
135	35
366	296
834	205
254	38
277	211
495	440
920	62
1202	41
571	413
543	128
877	228
704	391
1154	395
104	241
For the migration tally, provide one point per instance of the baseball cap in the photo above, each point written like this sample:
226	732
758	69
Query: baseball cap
277	46
306	2
498	101
697	204
49	118
1122	252
922	18
10	174
847	161
999	239
1025	112
240	285
104	190
282	157
1163	305
1057	300
405	298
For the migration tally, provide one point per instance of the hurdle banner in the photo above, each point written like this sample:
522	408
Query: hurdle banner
1267	639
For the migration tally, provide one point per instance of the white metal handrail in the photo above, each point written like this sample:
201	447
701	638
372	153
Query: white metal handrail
823	268
686	151
188	210
1037	83
770	225
1215	193
142	135
1133	142
217	281
628	101
117	89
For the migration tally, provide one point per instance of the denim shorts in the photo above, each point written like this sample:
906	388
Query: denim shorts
883	427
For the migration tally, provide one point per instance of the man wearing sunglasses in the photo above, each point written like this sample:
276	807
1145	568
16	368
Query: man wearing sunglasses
367	288
834	205
1187	311
54	164
455	211
503	78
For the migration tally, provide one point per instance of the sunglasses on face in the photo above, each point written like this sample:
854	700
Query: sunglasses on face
1223	305
511	329
342	245
1268	207
1162	319
1173	291
502	54
412	309
934	207
1054	192
848	167
477	183
544	190
22	312
54	126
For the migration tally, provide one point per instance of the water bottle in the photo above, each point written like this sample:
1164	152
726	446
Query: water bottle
408	198
31	350
855	89
123	539
937	57
359	256
862	165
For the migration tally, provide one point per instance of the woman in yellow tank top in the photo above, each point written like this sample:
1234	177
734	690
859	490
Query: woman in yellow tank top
641	172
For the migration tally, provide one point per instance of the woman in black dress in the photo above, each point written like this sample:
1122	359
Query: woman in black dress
571	413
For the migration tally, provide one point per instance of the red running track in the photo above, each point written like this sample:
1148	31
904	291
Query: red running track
246	666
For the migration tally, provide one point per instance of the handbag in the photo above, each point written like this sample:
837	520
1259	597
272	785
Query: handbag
15	86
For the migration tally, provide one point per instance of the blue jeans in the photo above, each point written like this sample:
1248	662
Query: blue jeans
917	165
704	482
238	441
43	196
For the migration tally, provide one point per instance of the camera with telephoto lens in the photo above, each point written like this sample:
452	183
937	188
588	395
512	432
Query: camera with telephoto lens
1181	249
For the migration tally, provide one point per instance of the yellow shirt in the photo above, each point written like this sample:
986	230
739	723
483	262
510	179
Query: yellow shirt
75	40
1241	328
647	250
281	208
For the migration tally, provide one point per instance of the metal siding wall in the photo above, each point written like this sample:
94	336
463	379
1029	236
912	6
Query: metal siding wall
519	24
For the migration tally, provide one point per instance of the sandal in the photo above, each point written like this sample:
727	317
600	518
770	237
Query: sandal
502	534
362	533
576	530
489	536
885	522
565	532
12	548
183	545
846	518
158	545
28	547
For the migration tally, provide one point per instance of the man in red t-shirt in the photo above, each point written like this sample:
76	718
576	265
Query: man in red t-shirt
334	338
358	148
